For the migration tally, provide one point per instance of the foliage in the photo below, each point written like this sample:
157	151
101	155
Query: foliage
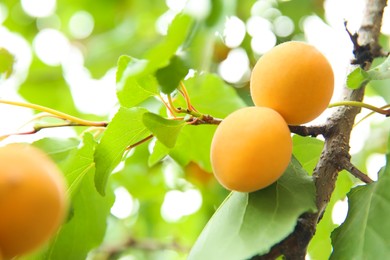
167	90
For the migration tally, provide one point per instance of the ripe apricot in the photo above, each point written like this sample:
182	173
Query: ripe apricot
33	199
251	149
295	79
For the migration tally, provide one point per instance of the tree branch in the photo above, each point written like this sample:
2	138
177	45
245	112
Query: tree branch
336	149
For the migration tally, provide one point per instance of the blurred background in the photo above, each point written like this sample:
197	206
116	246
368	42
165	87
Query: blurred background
66	53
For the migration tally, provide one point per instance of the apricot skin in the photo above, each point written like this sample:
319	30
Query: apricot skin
295	79
250	149
33	200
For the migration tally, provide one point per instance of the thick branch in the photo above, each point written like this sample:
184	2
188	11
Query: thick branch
336	150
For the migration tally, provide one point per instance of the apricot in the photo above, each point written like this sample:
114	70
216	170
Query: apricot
33	200
295	79
250	149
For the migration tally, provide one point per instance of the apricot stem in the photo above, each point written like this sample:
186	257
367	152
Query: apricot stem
54	112
362	105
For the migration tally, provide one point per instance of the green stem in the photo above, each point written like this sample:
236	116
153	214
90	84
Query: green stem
53	112
360	104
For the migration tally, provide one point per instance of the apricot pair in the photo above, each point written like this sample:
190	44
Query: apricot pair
252	147
33	200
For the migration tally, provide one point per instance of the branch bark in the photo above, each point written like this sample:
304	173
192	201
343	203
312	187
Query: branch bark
335	155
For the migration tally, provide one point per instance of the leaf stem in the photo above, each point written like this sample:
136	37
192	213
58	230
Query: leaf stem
184	92
140	142
360	104
78	121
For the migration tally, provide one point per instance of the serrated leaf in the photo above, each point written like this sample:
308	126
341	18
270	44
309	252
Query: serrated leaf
165	130
211	95
178	30
133	83
357	78
249	224
86	229
170	76
126	128
365	234
80	163
6	62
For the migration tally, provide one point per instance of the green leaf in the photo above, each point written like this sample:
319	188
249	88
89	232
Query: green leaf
193	144
57	148
307	150
80	163
135	81
133	86
158	153
86	229
170	76
357	78
250	224
380	72
165	130
142	181
178	30
211	95
6	62
125	129
365	234
320	246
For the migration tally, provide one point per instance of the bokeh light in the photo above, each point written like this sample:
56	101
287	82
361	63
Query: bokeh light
81	24
39	8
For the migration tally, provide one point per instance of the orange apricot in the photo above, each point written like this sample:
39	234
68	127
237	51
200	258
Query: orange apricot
33	200
295	79
251	149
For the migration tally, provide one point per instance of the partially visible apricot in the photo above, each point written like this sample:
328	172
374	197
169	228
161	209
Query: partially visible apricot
295	79
197	175
251	149
33	200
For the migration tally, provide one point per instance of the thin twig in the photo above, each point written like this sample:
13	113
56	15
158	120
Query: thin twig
140	142
347	165
54	113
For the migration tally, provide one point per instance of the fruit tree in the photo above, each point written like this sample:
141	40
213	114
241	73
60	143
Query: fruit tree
188	129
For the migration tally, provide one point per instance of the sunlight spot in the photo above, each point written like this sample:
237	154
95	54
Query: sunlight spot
164	21
51	46
340	211
3	12
257	25
199	9
234	32
385	29
81	24
284	26
178	204
262	43
52	21
39	8
374	164
176	5
236	66
123	205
